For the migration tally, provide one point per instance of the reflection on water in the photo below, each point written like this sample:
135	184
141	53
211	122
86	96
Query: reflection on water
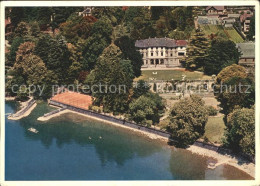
72	147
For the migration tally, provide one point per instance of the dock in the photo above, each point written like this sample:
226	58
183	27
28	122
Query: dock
27	108
52	114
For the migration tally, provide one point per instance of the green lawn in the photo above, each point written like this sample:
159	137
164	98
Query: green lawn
233	35
228	33
171	74
214	129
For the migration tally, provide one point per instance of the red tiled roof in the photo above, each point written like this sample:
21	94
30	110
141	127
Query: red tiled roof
74	99
244	16
216	7
181	42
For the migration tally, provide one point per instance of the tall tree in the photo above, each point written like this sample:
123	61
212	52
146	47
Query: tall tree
111	71
17	41
94	47
115	14
42	48
77	27
234	89
197	50
22	29
222	53
34	29
61	14
16	15
44	17
76	60
100	38
58	58
127	46
188	118
240	135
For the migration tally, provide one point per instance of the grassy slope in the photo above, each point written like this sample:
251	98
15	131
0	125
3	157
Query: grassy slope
214	129
171	74
230	33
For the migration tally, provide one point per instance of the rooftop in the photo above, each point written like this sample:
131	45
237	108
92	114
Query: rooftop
215	7
247	49
159	42
74	99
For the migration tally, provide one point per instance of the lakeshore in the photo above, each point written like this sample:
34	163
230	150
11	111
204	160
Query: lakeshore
239	163
75	135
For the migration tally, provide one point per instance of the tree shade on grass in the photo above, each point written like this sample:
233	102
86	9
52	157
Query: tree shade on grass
171	74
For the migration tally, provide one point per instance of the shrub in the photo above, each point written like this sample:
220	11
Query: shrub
146	107
212	111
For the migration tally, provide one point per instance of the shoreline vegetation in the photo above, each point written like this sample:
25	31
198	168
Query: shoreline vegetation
221	159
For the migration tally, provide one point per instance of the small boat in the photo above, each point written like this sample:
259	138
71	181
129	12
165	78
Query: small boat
33	130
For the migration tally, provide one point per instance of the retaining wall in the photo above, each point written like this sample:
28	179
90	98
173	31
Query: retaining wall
53	112
113	119
28	106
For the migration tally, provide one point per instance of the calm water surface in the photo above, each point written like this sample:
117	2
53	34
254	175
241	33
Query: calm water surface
73	147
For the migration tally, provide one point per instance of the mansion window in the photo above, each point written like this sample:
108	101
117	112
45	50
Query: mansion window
171	54
156	53
181	54
161	53
151	54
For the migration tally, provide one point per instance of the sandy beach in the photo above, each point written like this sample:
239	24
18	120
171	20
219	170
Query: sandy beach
245	166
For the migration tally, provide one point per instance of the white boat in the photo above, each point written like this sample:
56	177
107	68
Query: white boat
33	130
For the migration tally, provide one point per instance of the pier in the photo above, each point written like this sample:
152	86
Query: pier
27	108
52	114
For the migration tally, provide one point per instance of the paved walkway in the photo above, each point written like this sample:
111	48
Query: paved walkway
27	108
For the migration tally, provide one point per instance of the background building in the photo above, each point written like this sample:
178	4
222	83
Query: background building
247	59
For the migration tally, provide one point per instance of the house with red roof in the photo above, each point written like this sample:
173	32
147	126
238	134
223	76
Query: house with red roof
245	20
161	52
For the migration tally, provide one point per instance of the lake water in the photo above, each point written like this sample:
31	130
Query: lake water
73	147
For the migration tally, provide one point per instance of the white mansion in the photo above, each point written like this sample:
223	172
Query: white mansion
161	52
